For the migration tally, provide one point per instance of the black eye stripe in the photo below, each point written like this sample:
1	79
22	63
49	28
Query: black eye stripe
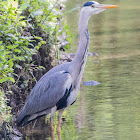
88	3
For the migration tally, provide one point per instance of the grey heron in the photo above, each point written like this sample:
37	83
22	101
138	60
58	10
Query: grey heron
59	87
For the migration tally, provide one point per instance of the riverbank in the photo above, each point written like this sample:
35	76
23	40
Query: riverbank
31	35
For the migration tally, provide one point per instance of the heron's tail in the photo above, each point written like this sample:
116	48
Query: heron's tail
24	120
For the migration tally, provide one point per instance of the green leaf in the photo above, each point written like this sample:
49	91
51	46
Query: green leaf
17	50
11	63
12	79
41	67
2	52
37	37
39	45
21	58
9	47
67	47
4	79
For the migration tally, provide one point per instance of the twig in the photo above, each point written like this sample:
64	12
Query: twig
34	124
33	75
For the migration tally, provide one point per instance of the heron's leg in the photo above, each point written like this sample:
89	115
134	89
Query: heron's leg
52	127
59	124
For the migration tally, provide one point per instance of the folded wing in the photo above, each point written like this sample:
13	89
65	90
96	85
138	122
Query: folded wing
46	93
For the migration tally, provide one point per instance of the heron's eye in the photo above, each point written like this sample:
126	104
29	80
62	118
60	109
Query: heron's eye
92	6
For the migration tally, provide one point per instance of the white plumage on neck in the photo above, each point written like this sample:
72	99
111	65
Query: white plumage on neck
84	37
79	61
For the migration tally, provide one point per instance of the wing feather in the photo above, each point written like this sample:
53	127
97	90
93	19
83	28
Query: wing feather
46	93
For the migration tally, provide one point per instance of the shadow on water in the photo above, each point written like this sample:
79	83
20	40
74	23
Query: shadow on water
110	110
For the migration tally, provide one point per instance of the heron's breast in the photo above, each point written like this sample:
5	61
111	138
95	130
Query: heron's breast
72	97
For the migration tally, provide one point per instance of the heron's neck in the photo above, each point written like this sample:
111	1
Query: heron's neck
81	54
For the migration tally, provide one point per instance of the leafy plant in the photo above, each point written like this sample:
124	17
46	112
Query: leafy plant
25	28
4	109
19	34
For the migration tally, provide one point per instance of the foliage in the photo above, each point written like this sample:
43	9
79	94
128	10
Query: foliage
13	46
4	109
25	26
18	16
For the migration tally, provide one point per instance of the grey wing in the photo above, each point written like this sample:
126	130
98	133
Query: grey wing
47	92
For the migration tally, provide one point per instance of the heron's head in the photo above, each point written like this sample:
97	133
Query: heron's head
93	7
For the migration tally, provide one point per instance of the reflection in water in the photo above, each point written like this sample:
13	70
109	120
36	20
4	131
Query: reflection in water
37	130
109	111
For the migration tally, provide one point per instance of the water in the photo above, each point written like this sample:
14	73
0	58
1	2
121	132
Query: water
110	110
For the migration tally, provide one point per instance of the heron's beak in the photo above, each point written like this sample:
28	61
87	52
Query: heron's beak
107	6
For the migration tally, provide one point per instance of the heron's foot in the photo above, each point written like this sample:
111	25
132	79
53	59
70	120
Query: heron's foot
52	134
59	132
